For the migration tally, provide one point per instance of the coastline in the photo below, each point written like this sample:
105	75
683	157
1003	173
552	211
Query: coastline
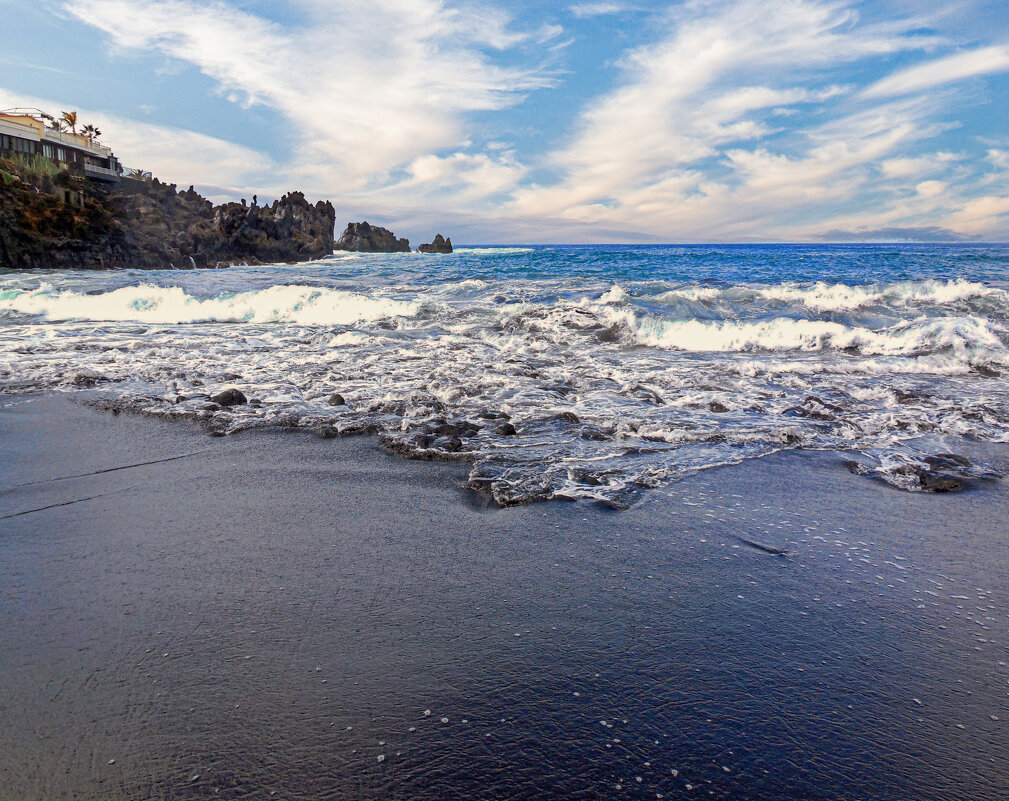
273	612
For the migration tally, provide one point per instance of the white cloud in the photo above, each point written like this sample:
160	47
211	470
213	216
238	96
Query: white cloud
999	158
693	145
222	169
982	61
666	150
583	10
741	119
363	91
931	188
907	167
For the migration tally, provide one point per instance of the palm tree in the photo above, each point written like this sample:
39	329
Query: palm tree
70	118
56	125
91	132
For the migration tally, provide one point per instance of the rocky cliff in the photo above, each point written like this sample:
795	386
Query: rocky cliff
148	224
366	238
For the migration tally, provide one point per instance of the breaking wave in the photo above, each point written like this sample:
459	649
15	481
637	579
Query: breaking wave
582	381
171	305
824	297
970	339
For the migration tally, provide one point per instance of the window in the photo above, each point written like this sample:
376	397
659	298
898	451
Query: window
47	150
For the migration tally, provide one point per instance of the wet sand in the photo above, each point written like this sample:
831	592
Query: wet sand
275	615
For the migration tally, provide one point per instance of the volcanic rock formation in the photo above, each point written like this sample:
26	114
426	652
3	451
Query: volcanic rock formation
440	245
148	224
365	238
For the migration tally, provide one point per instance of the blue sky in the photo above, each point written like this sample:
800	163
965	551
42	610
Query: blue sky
521	121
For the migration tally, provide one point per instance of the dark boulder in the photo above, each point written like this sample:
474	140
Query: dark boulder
88	378
229	397
365	238
939	482
336	399
439	245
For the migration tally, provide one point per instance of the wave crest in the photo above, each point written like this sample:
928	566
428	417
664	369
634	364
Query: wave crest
146	303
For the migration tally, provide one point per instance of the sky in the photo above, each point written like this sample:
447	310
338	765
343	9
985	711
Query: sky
524	121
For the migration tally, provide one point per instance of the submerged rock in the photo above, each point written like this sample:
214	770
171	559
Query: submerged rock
362	237
88	378
439	245
941	473
229	397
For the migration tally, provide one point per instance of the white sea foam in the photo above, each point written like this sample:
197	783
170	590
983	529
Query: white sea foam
824	297
502	251
615	294
609	386
170	305
969	337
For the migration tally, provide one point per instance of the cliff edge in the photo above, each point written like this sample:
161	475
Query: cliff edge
62	221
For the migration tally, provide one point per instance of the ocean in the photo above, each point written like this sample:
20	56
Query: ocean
582	372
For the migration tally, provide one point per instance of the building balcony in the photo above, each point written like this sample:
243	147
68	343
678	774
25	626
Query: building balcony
76	141
101	173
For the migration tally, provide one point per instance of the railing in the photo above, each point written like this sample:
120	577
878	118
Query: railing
53	135
19	129
103	173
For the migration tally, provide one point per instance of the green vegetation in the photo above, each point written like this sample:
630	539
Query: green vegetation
37	172
69	120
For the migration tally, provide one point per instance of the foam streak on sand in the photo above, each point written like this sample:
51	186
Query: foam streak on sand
555	372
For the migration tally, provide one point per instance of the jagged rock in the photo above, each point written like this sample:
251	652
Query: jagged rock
229	397
363	237
440	245
151	225
336	399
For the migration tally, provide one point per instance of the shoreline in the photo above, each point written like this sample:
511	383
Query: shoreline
273	611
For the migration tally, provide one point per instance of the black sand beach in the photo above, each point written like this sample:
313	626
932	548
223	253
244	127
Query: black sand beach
275	615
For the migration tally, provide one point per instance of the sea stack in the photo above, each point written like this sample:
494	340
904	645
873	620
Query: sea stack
365	238
440	245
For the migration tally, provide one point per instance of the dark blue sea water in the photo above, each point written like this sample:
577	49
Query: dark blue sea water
555	371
